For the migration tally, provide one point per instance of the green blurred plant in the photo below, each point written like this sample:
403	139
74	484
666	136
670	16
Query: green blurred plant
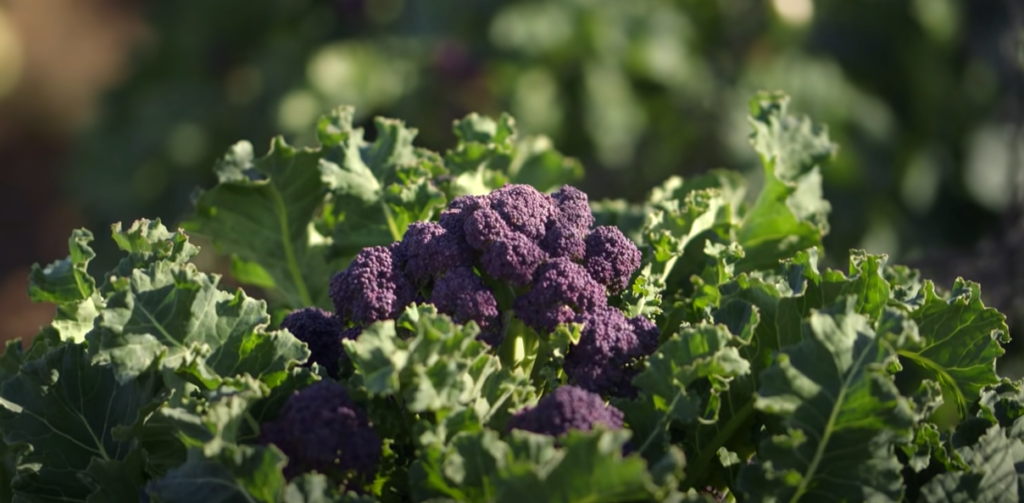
637	90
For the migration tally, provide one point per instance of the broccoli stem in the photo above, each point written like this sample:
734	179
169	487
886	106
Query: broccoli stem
519	348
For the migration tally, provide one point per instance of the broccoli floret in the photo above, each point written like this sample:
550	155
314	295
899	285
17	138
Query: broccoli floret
459	210
513	259
526	210
462	295
372	288
322	332
647	334
484	228
320	428
574	208
602	360
428	251
567	408
564	240
611	257
561	290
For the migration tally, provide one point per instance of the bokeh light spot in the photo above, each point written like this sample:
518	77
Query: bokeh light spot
10	55
186	145
795	12
298	110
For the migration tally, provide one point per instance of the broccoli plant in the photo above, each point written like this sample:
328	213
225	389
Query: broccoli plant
449	334
519	264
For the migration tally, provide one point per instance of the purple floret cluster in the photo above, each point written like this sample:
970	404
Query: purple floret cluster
320	428
567	408
544	253
322	332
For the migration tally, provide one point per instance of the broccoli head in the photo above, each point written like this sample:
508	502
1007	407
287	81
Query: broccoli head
611	258
372	288
322	332
320	428
602	361
462	295
567	408
561	290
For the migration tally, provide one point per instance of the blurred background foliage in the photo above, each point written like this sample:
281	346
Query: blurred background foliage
922	95
925	98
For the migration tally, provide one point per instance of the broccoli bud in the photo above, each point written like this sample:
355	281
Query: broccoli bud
320	428
561	290
574	208
567	408
611	258
603	359
564	240
321	332
373	287
513	259
463	295
525	209
429	251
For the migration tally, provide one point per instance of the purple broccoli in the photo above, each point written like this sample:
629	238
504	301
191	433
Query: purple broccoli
321	332
560	270
372	288
484	228
561	290
462	295
574	208
565	409
513	259
602	361
611	257
564	240
459	210
429	251
525	209
320	428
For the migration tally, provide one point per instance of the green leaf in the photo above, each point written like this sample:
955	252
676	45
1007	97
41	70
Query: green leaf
441	367
491	153
66	410
839	415
120	480
589	467
586	467
148	242
675	220
679	214
996	473
693	354
215	422
244	474
1003	404
789	213
316	488
65	280
960	341
865	280
782	302
176	311
261	211
375	189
